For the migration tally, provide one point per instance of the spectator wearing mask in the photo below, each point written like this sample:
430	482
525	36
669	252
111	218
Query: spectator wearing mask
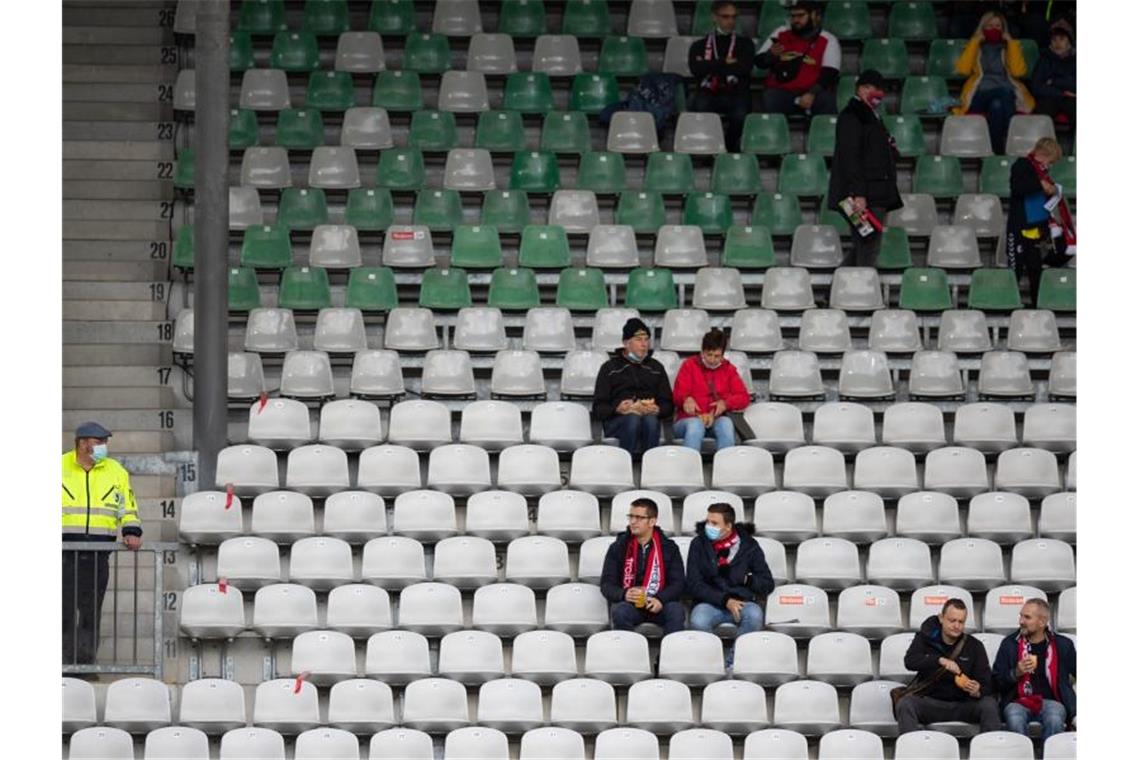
721	62
642	574
1054	81
708	386
1029	239
803	64
632	393
864	165
994	63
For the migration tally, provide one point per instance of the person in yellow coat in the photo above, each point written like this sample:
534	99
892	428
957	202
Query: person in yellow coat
994	64
98	505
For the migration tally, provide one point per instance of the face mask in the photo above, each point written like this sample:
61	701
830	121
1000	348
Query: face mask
634	357
99	452
711	533
992	36
875	99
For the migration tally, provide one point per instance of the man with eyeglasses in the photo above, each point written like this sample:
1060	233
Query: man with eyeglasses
642	575
803	64
722	66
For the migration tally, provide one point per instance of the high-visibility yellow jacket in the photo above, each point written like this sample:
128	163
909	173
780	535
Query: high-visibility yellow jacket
98	503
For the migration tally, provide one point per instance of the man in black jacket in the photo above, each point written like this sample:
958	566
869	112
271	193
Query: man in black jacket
632	393
964	691
1034	672
643	575
864	165
726	574
721	62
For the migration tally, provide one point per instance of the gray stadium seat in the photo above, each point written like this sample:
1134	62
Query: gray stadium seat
929	516
358	609
425	515
212	705
824	331
510	705
1000	517
284	610
471	657
800	611
497	515
810	707
583	704
776	744
277	705
659	705
544	657
397	657
899	563
436	705
617	657
326	657
400	744
388	470
858	516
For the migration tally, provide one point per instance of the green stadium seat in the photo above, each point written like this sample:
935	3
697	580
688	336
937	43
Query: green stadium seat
994	290
736	174
711	212
582	289
444	288
506	210
427	53
433	131
670	173
544	247
702	18
847	20
907	131
623	57
513	289
330	91
184	169
766	134
243	291
593	92
803	174
940	176
831	218
183	257
476	246
845	90
535	171
887	56
266	247
821	135
651	289
398	91
369	209
602	172
241	52
522	18
772	16
302	208
565	132
243	132
528	92
300	129
779	213
894	251
586	18
748	247
262	17
1029	52
1058	289
919	92
400	169
304	289
295	51
994	176
438	209
326	18
644	211
392	17
912	21
371	289
1064	173
500	131
943	57
925	290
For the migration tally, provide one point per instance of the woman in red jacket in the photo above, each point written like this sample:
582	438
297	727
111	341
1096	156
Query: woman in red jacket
707	387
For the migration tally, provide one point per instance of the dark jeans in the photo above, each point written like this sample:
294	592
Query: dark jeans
636	434
626	617
916	712
783	101
998	106
84	585
733	109
865	250
1051	106
1026	258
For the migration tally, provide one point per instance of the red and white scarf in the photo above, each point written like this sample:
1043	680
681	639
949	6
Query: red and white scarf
654	565
725	547
1068	228
1025	696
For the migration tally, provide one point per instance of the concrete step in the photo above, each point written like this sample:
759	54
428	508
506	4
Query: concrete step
144	14
118	93
110	354
95	129
117	332
116	376
128	442
125	73
130	420
121	230
115	250
118	150
112	190
118	111
117	398
146	170
114	311
117	35
108	210
115	291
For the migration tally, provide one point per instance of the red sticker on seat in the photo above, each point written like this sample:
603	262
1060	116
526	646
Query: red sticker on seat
262	400
1011	600
229	495
933	600
300	679
791	600
403	235
222	586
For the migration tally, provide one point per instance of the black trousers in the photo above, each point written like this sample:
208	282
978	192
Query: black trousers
865	250
916	712
85	577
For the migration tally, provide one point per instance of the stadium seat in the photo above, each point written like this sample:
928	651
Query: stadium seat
787	289
490	54
576	608
848	20
433	131
334	246
1000	517
1005	745
1046	563
682	329
924	95
101	743
744	470
602	172
555	55
480	329
644	212
277	705
824	331
799	611
973	563
894	331
994	290
398	91
1024	132
458	469
873	711
426	515
245	376
955	247
1051	426
466	562
659	706
775	742
387	470
325	657
432	609
279	424
517	373
400	743
1061	746
264	90
320	562
622	56
435	211
205	517
245	212
500	131
1058	517
476	247
1005	374
980	212
339	331
528	92
361	705
261	167
617	657
965	136
137	705
795	374
899	563
736	174
1058	290
330	91
718	289
241	51
871	611
778	212
471	657
821	135
695	507
865	374
766	657
964	331
528	469
856	289
669	173
376	373
400	169
748	247
809	707
858	516
591	93
764	134
456	18
294	51
851	744
755	331
537	561
925	289
917	217
732	706
212	705
282	516
839	658
694	658
358	610
368	210
535	172
915	426
1003	604
435	705
410	246
710	212
803	175
958	471
581	290
827	562
504	609
397	657
492	425
1033	331
843	426
250	469
176	741
938	176
601	470
444	289
576	211
698	134
647	289
410	329
355	516
906	129
888	56
359	52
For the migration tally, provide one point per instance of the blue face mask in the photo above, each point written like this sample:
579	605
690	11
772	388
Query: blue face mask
712	533
634	357
99	452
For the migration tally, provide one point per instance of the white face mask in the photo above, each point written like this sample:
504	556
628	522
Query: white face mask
99	452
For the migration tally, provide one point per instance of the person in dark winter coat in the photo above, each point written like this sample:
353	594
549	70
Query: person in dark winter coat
965	692
1028	242
632	393
727	574
1054	79
721	62
1034	672
643	575
864	165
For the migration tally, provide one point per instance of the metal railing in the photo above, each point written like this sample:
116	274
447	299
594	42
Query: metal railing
93	565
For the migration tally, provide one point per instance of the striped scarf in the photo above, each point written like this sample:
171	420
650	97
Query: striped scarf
654	566
1025	696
